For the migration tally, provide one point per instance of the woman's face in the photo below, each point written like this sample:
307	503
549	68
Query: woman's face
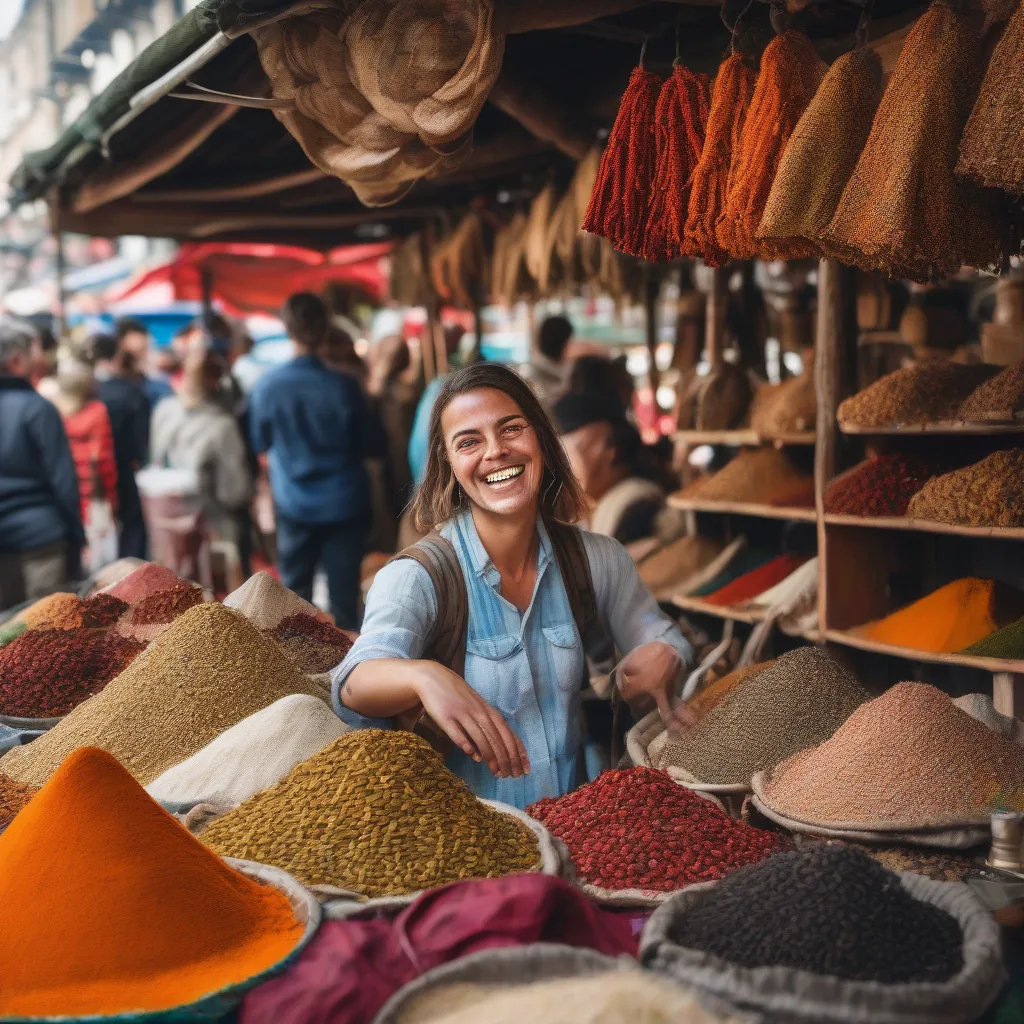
494	451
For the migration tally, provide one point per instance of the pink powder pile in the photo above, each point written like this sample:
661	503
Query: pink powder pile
147	580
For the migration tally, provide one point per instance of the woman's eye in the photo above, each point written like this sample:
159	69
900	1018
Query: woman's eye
514	428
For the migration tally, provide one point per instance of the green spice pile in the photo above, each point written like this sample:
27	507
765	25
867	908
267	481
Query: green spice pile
46	673
989	493
1007	642
377	813
10	631
210	669
907	759
13	796
926	392
830	910
881	486
1000	399
311	644
798	701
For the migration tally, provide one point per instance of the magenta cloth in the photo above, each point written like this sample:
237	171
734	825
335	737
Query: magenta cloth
351	968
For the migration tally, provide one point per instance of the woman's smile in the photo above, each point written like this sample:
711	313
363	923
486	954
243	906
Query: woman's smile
502	477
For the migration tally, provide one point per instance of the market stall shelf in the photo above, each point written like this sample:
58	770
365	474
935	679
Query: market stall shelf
849	638
750	616
944	427
741	438
924	526
742	508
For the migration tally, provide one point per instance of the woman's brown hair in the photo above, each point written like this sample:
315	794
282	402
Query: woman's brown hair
440	497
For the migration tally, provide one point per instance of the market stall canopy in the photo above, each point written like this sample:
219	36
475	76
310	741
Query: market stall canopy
247	277
150	156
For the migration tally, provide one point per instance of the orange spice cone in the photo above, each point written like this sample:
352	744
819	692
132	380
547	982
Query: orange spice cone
903	211
680	120
791	72
621	198
730	100
821	156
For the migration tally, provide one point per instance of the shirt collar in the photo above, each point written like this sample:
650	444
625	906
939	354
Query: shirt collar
480	562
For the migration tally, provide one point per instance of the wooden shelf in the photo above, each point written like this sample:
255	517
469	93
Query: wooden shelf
698	606
742	508
924	526
947	427
739	438
848	639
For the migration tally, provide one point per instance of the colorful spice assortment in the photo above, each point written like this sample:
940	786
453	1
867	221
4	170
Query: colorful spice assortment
989	493
637	829
311	644
1000	399
166	605
882	486
210	669
46	673
10	631
377	813
950	618
936	865
928	391
762	475
830	910
145	581
666	569
13	797
149	918
794	703
909	758
58	611
757	582
745	560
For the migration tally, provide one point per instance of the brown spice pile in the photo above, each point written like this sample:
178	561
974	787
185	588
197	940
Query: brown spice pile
928	391
989	493
908	759
210	669
1000	399
58	611
13	796
664	571
166	605
939	866
761	475
786	408
311	644
102	610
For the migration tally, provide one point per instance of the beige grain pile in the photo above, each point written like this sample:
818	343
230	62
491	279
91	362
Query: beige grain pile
988	493
760	475
209	670
999	399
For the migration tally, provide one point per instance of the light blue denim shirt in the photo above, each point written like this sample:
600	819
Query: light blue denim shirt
529	665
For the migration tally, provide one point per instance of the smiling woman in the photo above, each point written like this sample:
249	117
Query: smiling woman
534	592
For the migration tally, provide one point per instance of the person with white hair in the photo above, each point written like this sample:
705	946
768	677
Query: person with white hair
41	533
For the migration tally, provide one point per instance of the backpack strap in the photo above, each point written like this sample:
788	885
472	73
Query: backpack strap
447	641
571	556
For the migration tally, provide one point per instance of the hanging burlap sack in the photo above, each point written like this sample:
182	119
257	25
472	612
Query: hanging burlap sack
537	230
460	263
558	259
821	155
512	279
990	150
410	283
795	995
791	72
903	211
383	94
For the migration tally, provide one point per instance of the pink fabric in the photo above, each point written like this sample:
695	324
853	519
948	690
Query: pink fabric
351	968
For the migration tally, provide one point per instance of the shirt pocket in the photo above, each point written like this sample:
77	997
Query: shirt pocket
566	653
493	670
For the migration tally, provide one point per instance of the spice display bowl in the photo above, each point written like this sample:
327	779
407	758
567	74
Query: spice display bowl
215	1006
800	995
30	724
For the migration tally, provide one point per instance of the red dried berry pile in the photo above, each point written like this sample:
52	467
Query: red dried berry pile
166	605
311	643
47	673
880	487
637	829
102	610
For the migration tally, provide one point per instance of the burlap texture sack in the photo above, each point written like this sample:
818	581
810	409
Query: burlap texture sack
265	601
787	994
251	756
990	150
383	94
458	265
822	154
510	280
787	408
980	707
410	280
536	250
903	211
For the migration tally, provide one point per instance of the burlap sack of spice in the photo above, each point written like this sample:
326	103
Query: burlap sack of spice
903	210
791	72
265	601
787	408
383	94
717	401
990	150
822	154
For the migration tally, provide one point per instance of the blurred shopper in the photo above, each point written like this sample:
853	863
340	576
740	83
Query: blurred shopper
129	413
317	429
91	438
134	341
547	369
192	431
41	534
596	375
338	353
247	369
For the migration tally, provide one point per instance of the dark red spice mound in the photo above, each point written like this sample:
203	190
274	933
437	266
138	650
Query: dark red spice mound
47	673
882	486
637	829
311	643
167	605
102	610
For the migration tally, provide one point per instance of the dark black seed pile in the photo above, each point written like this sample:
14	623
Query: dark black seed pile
831	910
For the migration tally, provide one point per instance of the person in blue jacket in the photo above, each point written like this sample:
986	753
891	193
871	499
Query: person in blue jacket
41	533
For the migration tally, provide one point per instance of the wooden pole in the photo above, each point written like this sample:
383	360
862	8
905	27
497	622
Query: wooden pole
652	290
714	321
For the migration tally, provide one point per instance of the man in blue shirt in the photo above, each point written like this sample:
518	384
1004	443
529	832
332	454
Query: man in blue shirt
41	534
317	428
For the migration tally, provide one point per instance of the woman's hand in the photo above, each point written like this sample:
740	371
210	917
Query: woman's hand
651	672
475	727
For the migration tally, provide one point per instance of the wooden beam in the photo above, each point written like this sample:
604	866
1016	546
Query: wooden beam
1008	694
531	15
251	189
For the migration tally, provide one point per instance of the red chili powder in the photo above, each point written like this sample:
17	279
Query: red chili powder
311	643
881	486
147	580
166	605
757	582
102	610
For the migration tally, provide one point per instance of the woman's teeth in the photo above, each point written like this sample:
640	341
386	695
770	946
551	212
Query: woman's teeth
500	475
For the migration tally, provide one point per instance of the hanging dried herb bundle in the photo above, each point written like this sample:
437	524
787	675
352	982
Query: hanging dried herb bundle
620	200
730	100
791	72
903	211
821	156
990	150
680	120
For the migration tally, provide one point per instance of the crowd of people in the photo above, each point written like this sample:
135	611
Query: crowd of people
342	440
